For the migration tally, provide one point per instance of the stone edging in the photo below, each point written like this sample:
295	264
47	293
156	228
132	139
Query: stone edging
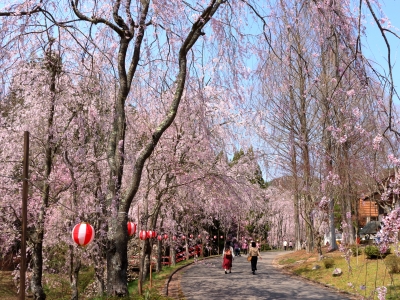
166	285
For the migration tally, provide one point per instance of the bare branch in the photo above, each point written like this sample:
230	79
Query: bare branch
74	4
36	9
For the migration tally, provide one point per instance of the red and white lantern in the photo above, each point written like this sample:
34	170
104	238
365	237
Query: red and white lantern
131	228
191	236
154	234
165	236
83	234
183	237
215	237
159	238
221	236
199	236
143	235
174	238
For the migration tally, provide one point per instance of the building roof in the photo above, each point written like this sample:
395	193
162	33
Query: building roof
371	227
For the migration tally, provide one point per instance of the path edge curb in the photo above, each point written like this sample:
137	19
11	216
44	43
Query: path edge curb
166	285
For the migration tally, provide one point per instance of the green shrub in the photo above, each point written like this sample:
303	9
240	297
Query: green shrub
372	251
392	262
56	258
265	247
328	262
356	250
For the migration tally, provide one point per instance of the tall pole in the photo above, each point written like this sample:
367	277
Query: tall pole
24	215
140	242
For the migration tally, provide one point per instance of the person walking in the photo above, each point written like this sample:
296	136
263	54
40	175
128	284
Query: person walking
244	247
254	253
285	245
227	258
236	248
290	245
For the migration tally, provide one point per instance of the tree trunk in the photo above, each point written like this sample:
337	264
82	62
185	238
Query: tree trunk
349	238
117	259
117	246
144	261
187	249
74	276
52	63
37	268
172	252
99	273
297	231
296	197
147	260
332	224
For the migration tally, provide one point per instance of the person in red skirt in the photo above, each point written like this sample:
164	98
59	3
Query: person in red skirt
227	258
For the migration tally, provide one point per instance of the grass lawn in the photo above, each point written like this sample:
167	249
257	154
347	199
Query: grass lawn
362	278
158	282
8	291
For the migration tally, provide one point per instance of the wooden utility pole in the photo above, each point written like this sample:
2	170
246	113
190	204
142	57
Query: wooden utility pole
24	215
139	244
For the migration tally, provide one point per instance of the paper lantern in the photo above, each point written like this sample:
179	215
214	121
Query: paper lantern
199	236
174	238
221	236
183	237
131	228
159	238
215	237
191	236
143	234
83	234
149	234
154	234
165	236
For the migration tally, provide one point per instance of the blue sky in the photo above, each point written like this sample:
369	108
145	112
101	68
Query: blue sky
374	44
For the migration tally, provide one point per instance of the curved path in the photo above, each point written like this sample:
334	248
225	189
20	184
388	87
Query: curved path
207	280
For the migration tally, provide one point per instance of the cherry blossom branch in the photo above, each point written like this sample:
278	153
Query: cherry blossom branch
391	90
194	34
265	26
37	8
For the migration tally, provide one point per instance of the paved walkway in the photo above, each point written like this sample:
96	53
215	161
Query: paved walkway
207	280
